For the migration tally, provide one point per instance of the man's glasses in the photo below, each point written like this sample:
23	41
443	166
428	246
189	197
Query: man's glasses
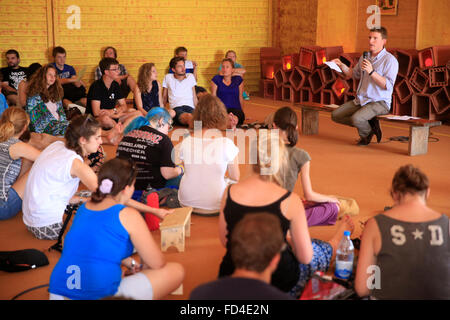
115	69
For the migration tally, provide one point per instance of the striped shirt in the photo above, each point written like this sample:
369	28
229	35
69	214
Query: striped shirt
9	168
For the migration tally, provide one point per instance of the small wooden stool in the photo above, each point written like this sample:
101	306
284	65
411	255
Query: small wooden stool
175	227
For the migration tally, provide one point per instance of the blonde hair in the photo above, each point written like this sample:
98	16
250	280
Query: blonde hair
13	121
144	76
271	157
211	111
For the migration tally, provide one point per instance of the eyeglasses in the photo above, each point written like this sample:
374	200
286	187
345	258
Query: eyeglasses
115	70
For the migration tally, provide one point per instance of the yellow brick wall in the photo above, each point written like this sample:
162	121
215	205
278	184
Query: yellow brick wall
24	27
141	31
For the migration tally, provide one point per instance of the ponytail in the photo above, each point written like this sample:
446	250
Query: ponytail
292	134
113	177
6	129
12	121
286	119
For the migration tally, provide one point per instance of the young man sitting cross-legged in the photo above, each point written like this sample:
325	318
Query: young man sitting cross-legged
179	91
106	103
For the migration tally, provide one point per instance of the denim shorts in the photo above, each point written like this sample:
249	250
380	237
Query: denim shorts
10	207
179	111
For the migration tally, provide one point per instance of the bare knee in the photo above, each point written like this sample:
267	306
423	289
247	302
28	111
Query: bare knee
186	119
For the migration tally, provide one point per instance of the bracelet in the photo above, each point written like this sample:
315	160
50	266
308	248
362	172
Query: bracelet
181	167
373	70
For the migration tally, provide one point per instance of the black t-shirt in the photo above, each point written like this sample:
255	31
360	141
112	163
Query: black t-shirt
238	289
107	97
14	76
150	150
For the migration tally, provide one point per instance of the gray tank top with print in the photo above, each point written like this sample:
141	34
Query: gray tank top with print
414	260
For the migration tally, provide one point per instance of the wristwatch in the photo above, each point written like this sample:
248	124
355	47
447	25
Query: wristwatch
373	70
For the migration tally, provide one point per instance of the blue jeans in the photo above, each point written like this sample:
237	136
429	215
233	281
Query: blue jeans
173	183
10	207
358	116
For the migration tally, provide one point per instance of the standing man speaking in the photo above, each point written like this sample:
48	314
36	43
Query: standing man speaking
377	70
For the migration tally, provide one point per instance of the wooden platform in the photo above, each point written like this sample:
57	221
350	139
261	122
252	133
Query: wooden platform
175	228
419	129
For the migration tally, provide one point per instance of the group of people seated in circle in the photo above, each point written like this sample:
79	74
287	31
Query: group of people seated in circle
41	173
48	91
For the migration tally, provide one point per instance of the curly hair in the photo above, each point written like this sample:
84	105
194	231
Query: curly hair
144	76
211	111
38	85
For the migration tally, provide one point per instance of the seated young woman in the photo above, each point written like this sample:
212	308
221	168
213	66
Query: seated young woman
44	102
13	154
229	89
203	182
409	244
261	192
55	176
239	69
103	235
149	91
325	209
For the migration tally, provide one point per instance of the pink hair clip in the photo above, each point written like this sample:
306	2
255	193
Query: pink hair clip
106	186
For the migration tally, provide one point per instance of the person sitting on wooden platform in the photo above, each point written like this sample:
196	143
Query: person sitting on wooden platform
377	73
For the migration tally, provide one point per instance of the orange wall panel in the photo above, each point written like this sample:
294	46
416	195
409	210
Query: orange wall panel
433	25
295	24
336	24
401	27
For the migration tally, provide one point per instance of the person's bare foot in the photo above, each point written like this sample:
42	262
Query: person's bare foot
114	135
346	223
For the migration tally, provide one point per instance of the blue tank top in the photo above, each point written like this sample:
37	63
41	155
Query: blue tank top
151	99
94	247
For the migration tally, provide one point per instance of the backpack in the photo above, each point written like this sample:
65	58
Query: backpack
21	260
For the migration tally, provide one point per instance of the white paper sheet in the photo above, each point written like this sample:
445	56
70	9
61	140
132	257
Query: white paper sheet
404	118
333	66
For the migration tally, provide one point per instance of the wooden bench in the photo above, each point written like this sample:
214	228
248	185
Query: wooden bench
175	227
419	129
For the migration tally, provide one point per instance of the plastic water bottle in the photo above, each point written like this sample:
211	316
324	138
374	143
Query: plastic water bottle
344	257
